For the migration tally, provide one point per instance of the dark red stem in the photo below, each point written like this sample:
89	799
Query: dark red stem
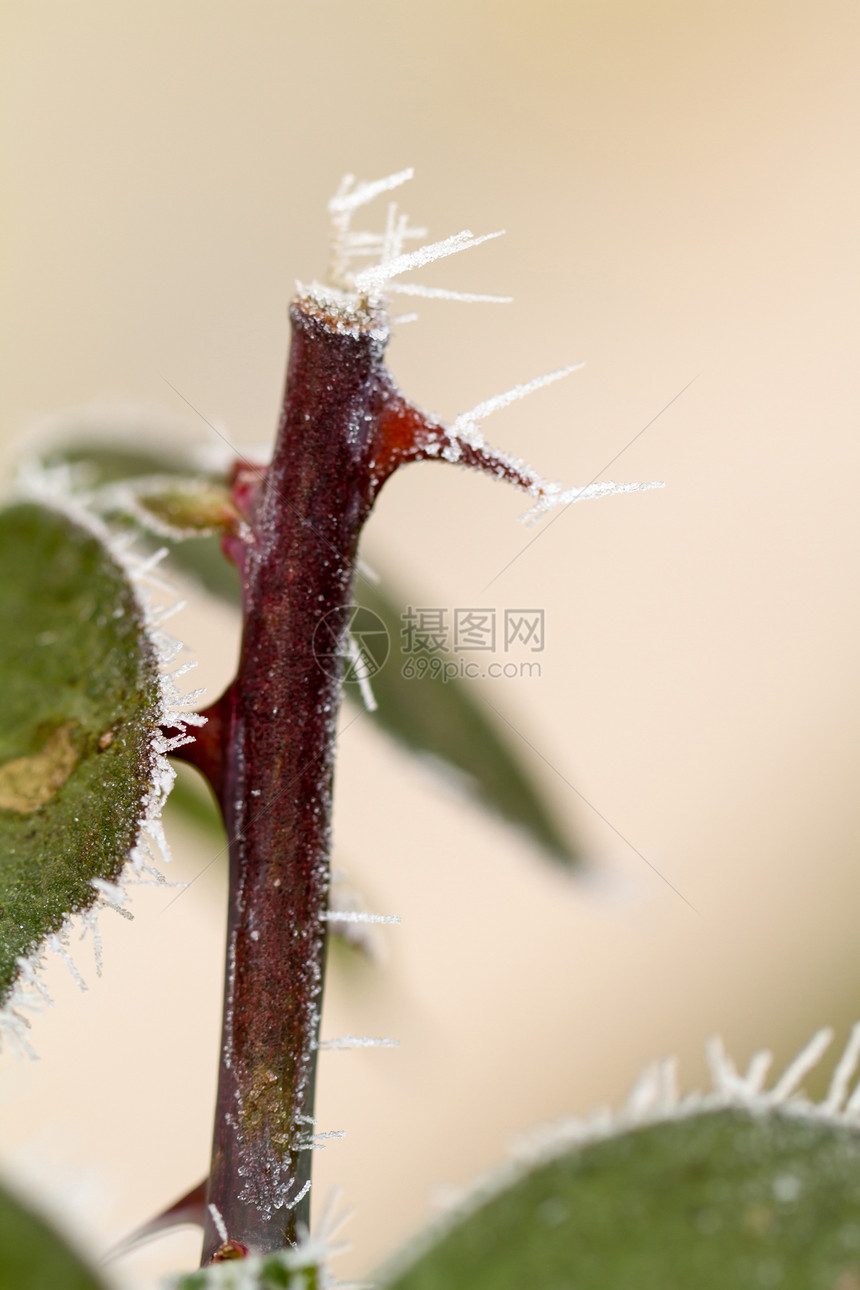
268	750
297	565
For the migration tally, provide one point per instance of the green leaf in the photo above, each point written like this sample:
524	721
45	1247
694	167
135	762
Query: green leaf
725	1199
80	701
34	1257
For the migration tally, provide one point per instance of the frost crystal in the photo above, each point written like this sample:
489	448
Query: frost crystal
357	1041
357	916
359	292
356	299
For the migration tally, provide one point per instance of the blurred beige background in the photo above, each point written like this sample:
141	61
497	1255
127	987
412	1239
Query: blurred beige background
679	185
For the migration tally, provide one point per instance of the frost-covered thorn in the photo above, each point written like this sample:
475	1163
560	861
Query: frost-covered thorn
406	434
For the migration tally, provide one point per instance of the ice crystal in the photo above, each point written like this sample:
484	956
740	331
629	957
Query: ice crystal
356	299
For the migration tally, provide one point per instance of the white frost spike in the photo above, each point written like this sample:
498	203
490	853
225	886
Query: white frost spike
317	1141
442	293
845	1068
481	410
360	669
347	199
667	1084
145	568
55	944
350	294
357	1041
643	1095
291	1204
377	276
367	571
160	616
30	977
217	1219
853	1105
112	895
723	1074
803	1063
760	1064
329	1224
554	497
356	916
13	1029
